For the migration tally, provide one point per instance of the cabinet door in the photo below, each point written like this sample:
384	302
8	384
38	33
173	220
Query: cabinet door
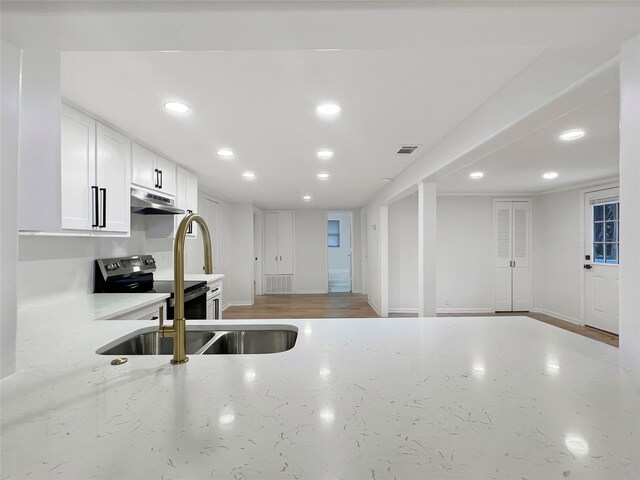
143	165
78	170
502	224
113	164
166	176
271	243
521	289
285	243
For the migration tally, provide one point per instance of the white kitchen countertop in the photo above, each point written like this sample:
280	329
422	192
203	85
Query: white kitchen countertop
445	398
190	277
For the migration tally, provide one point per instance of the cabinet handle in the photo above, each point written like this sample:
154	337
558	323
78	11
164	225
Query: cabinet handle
276	258
190	227
104	207
95	221
160	172
156	180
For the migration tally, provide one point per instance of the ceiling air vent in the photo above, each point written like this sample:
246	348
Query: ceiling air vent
407	149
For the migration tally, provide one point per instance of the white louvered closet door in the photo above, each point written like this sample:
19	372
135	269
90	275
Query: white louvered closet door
502	225
521	282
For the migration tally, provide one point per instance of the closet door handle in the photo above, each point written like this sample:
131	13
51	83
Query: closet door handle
95	222
280	257
156	180
104	208
276	258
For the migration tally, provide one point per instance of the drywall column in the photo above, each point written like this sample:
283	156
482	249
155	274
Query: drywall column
10	101
630	207
427	243
384	261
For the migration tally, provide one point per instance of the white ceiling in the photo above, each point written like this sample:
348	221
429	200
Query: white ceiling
261	104
518	166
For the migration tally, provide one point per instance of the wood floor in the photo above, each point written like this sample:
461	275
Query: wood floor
352	305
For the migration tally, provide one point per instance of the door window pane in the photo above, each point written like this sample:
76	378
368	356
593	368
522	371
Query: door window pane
598	213
606	233
598	252
598	232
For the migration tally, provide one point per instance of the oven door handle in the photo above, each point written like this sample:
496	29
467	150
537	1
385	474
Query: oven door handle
196	293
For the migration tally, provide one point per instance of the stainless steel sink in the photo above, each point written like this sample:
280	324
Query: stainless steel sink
149	342
252	341
207	339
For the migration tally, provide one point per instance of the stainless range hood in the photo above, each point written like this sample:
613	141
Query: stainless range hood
145	203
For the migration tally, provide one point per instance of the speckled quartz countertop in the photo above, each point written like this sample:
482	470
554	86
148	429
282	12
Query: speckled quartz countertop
445	398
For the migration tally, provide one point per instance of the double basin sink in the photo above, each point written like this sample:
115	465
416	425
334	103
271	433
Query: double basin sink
207	340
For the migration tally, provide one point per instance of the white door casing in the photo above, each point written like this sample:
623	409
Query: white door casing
601	279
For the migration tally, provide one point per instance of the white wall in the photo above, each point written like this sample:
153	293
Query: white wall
9	102
236	260
310	243
51	267
372	212
557	254
403	255
630	208
465	260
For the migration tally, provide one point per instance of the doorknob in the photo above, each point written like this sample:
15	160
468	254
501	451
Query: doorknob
588	267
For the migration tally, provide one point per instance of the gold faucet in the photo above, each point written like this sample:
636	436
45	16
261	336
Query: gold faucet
178	329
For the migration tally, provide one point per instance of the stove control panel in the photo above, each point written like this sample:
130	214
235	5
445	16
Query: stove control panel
112	273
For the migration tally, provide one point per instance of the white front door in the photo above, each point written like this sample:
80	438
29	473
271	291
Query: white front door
602	250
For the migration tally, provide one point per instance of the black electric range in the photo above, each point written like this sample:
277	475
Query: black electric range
134	274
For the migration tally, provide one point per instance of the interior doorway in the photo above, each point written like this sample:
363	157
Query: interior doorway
602	258
339	228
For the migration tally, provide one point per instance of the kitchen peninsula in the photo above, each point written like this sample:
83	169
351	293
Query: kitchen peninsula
368	398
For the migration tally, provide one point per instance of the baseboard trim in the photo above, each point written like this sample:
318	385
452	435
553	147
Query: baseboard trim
551	313
308	292
236	304
373	305
403	310
464	310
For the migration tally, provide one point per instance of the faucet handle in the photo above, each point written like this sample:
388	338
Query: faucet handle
161	317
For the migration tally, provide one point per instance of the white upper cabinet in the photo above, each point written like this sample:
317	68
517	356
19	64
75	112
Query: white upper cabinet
151	171
92	192
94	174
79	194
112	178
165	226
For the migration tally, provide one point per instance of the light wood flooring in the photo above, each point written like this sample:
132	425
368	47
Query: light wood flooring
353	305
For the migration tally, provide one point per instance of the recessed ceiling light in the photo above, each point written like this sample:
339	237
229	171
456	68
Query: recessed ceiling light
328	110
324	154
550	175
323	176
387	180
476	175
177	107
249	175
225	153
570	135
306	198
